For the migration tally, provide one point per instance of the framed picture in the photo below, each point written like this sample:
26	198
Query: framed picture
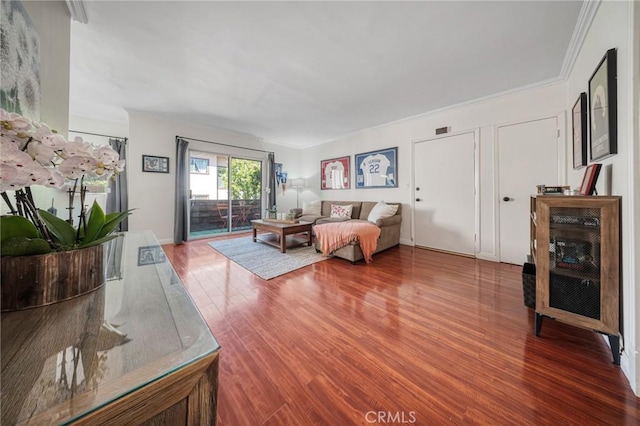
151	163
335	172
603	114
588	186
579	125
277	170
149	255
377	169
199	166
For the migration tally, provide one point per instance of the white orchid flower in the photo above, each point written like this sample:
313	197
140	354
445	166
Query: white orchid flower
18	159
54	141
41	153
77	148
119	165
78	166
7	145
106	155
55	179
38	175
12	178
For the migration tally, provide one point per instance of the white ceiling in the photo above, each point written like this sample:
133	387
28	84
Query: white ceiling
303	73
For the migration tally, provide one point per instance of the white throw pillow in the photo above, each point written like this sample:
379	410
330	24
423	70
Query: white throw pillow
382	210
312	208
341	211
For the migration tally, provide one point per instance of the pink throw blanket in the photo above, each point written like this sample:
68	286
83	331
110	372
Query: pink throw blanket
333	236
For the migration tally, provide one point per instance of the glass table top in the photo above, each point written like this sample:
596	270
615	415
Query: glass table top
65	360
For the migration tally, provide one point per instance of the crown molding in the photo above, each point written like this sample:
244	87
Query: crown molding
77	10
585	18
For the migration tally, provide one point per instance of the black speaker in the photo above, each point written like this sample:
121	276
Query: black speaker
578	295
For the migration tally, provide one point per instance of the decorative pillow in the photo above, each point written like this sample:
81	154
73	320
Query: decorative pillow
341	211
312	208
382	210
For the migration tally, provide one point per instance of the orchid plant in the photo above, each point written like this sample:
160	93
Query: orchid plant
33	154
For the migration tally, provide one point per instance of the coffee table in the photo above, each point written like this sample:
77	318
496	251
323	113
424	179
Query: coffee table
279	231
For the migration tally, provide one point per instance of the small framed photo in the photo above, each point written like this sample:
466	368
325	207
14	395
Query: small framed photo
199	166
152	163
149	255
377	169
334	173
603	114
588	186
579	125
277	171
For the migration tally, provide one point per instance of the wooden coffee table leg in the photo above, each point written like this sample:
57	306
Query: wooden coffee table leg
254	233
283	242
310	238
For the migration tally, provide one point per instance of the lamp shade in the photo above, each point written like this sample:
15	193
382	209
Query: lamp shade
296	183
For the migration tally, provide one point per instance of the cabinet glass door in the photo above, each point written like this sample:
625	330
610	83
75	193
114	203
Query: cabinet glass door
574	260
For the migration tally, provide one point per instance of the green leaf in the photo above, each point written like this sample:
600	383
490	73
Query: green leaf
98	241
60	229
23	246
94	225
112	220
17	226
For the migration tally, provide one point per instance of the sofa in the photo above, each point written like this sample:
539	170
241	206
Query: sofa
389	227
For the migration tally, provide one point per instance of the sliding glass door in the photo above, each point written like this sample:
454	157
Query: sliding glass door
225	193
246	190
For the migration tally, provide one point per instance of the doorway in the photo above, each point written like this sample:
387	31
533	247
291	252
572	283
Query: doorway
445	195
224	193
528	155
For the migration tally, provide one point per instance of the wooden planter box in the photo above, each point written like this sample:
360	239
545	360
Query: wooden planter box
32	281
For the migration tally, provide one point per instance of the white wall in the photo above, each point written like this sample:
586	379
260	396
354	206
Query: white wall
634	161
153	193
613	28
91	125
52	21
482	115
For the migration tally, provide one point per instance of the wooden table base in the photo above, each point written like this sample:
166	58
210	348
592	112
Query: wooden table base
281	231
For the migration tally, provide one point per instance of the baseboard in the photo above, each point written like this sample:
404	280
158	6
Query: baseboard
406	242
487	256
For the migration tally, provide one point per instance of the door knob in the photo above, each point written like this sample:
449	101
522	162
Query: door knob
506	199
418	199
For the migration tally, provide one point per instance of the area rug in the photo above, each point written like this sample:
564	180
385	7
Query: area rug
264	260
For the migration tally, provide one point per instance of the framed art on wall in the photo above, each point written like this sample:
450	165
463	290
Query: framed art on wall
152	163
588	186
377	169
277	171
602	108
334	173
579	125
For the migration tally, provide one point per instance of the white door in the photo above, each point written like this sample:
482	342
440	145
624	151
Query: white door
445	206
527	156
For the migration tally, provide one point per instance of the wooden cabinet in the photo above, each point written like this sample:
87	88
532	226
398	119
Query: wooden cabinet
575	241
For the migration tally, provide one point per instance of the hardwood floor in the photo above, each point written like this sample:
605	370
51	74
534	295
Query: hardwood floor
416	337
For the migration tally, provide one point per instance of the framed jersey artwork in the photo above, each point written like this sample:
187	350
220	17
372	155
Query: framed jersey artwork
377	169
334	173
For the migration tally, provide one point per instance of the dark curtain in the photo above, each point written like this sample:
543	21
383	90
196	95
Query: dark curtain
118	196
181	227
271	180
